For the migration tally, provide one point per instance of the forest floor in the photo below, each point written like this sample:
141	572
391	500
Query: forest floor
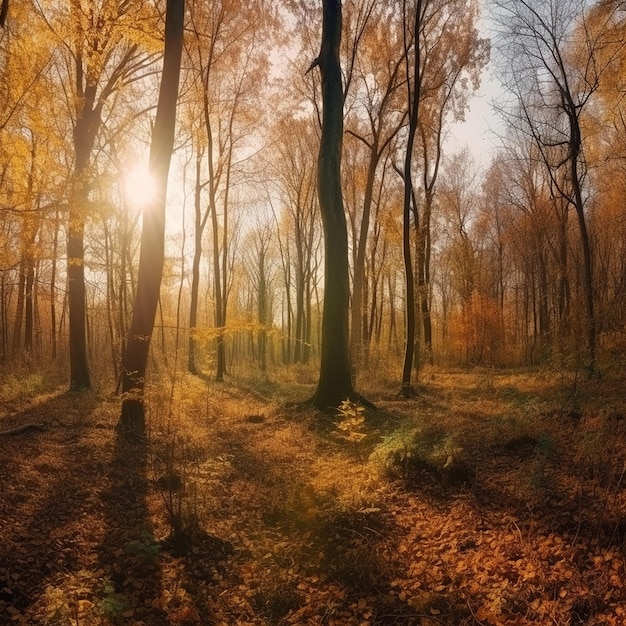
488	498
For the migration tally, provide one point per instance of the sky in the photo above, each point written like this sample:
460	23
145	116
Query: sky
481	126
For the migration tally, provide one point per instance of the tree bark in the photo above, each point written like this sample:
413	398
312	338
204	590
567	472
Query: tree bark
4	10
85	131
413	88
335	381
199	224
53	277
29	310
358	287
152	250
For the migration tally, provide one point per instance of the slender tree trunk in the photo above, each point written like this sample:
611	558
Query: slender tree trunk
300	283
29	311
125	276
53	295
221	344
19	312
217	272
152	251
335	379
111	301
262	313
199	224
424	279
308	321
286	308
413	87
219	324
358	306
4	302
590	321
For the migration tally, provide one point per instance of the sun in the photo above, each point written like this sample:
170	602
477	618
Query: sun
139	187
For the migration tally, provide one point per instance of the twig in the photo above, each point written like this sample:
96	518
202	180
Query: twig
469	606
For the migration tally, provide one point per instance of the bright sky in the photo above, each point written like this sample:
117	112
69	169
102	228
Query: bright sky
482	126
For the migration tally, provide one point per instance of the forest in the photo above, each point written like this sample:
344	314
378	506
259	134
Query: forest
276	347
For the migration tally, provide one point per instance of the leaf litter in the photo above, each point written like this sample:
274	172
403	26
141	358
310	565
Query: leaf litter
289	522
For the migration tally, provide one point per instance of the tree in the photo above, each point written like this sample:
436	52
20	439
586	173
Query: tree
453	58
376	118
413	78
103	54
554	66
335	379
32	180
293	175
260	269
152	251
226	63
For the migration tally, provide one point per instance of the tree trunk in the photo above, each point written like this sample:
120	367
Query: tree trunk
335	381
409	346
199	224
111	300
53	295
29	311
262	313
221	344
413	87
590	322
152	250
19	312
424	277
84	137
358	287
218	287
220	365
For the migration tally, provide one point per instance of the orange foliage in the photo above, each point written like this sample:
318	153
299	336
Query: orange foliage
477	331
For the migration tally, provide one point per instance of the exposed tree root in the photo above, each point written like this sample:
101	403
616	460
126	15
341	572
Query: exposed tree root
408	392
332	406
21	429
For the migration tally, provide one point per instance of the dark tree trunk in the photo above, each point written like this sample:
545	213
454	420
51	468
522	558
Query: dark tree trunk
413	87
199	225
79	367
409	346
335	382
220	365
19	312
425	245
85	132
221	342
218	287
579	205
358	312
262	312
4	9
29	314
152	251
300	286
53	277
